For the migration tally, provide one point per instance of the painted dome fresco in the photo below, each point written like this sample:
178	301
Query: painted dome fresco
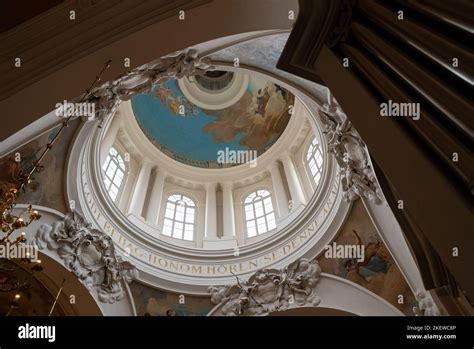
196	120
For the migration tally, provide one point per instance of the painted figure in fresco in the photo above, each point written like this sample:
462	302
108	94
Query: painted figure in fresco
168	97
377	260
9	174
259	117
262	100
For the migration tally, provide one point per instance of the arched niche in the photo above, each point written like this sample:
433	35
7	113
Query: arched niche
56	272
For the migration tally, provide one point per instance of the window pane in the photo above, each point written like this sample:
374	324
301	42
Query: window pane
111	171
315	160
249	213
177	233
167	230
271	225
178	225
259	211
113	189
106	163
188	235
178	209
121	163
269	208
179	216
113	176
169	213
251	232
189	218
317	178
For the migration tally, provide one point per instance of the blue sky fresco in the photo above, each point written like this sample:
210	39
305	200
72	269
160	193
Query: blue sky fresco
182	135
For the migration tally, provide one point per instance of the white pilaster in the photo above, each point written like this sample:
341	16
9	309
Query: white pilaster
294	183
140	190
156	197
109	138
211	212
228	210
278	189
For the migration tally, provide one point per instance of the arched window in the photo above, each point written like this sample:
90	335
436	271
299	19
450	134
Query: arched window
314	160
259	214
114	173
179	219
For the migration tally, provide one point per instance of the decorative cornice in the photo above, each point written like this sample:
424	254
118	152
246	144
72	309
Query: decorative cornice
89	254
142	80
425	305
270	290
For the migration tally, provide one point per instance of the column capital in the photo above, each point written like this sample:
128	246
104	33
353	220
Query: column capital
211	185
227	185
286	155
145	164
160	172
273	165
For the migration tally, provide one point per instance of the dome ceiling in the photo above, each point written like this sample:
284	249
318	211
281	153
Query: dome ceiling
197	135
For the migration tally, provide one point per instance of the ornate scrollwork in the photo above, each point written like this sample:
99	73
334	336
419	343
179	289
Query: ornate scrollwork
357	175
142	80
425	305
270	290
89	254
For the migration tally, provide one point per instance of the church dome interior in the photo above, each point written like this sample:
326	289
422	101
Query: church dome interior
212	178
235	158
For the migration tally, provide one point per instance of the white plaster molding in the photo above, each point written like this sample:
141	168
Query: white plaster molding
32	131
300	284
143	246
121	307
392	236
212	100
89	254
352	155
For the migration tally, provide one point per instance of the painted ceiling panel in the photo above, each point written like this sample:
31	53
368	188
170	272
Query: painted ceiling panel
195	136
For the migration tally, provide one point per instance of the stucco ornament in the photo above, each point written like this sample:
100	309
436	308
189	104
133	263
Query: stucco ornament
270	290
89	254
142	80
425	305
357	175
